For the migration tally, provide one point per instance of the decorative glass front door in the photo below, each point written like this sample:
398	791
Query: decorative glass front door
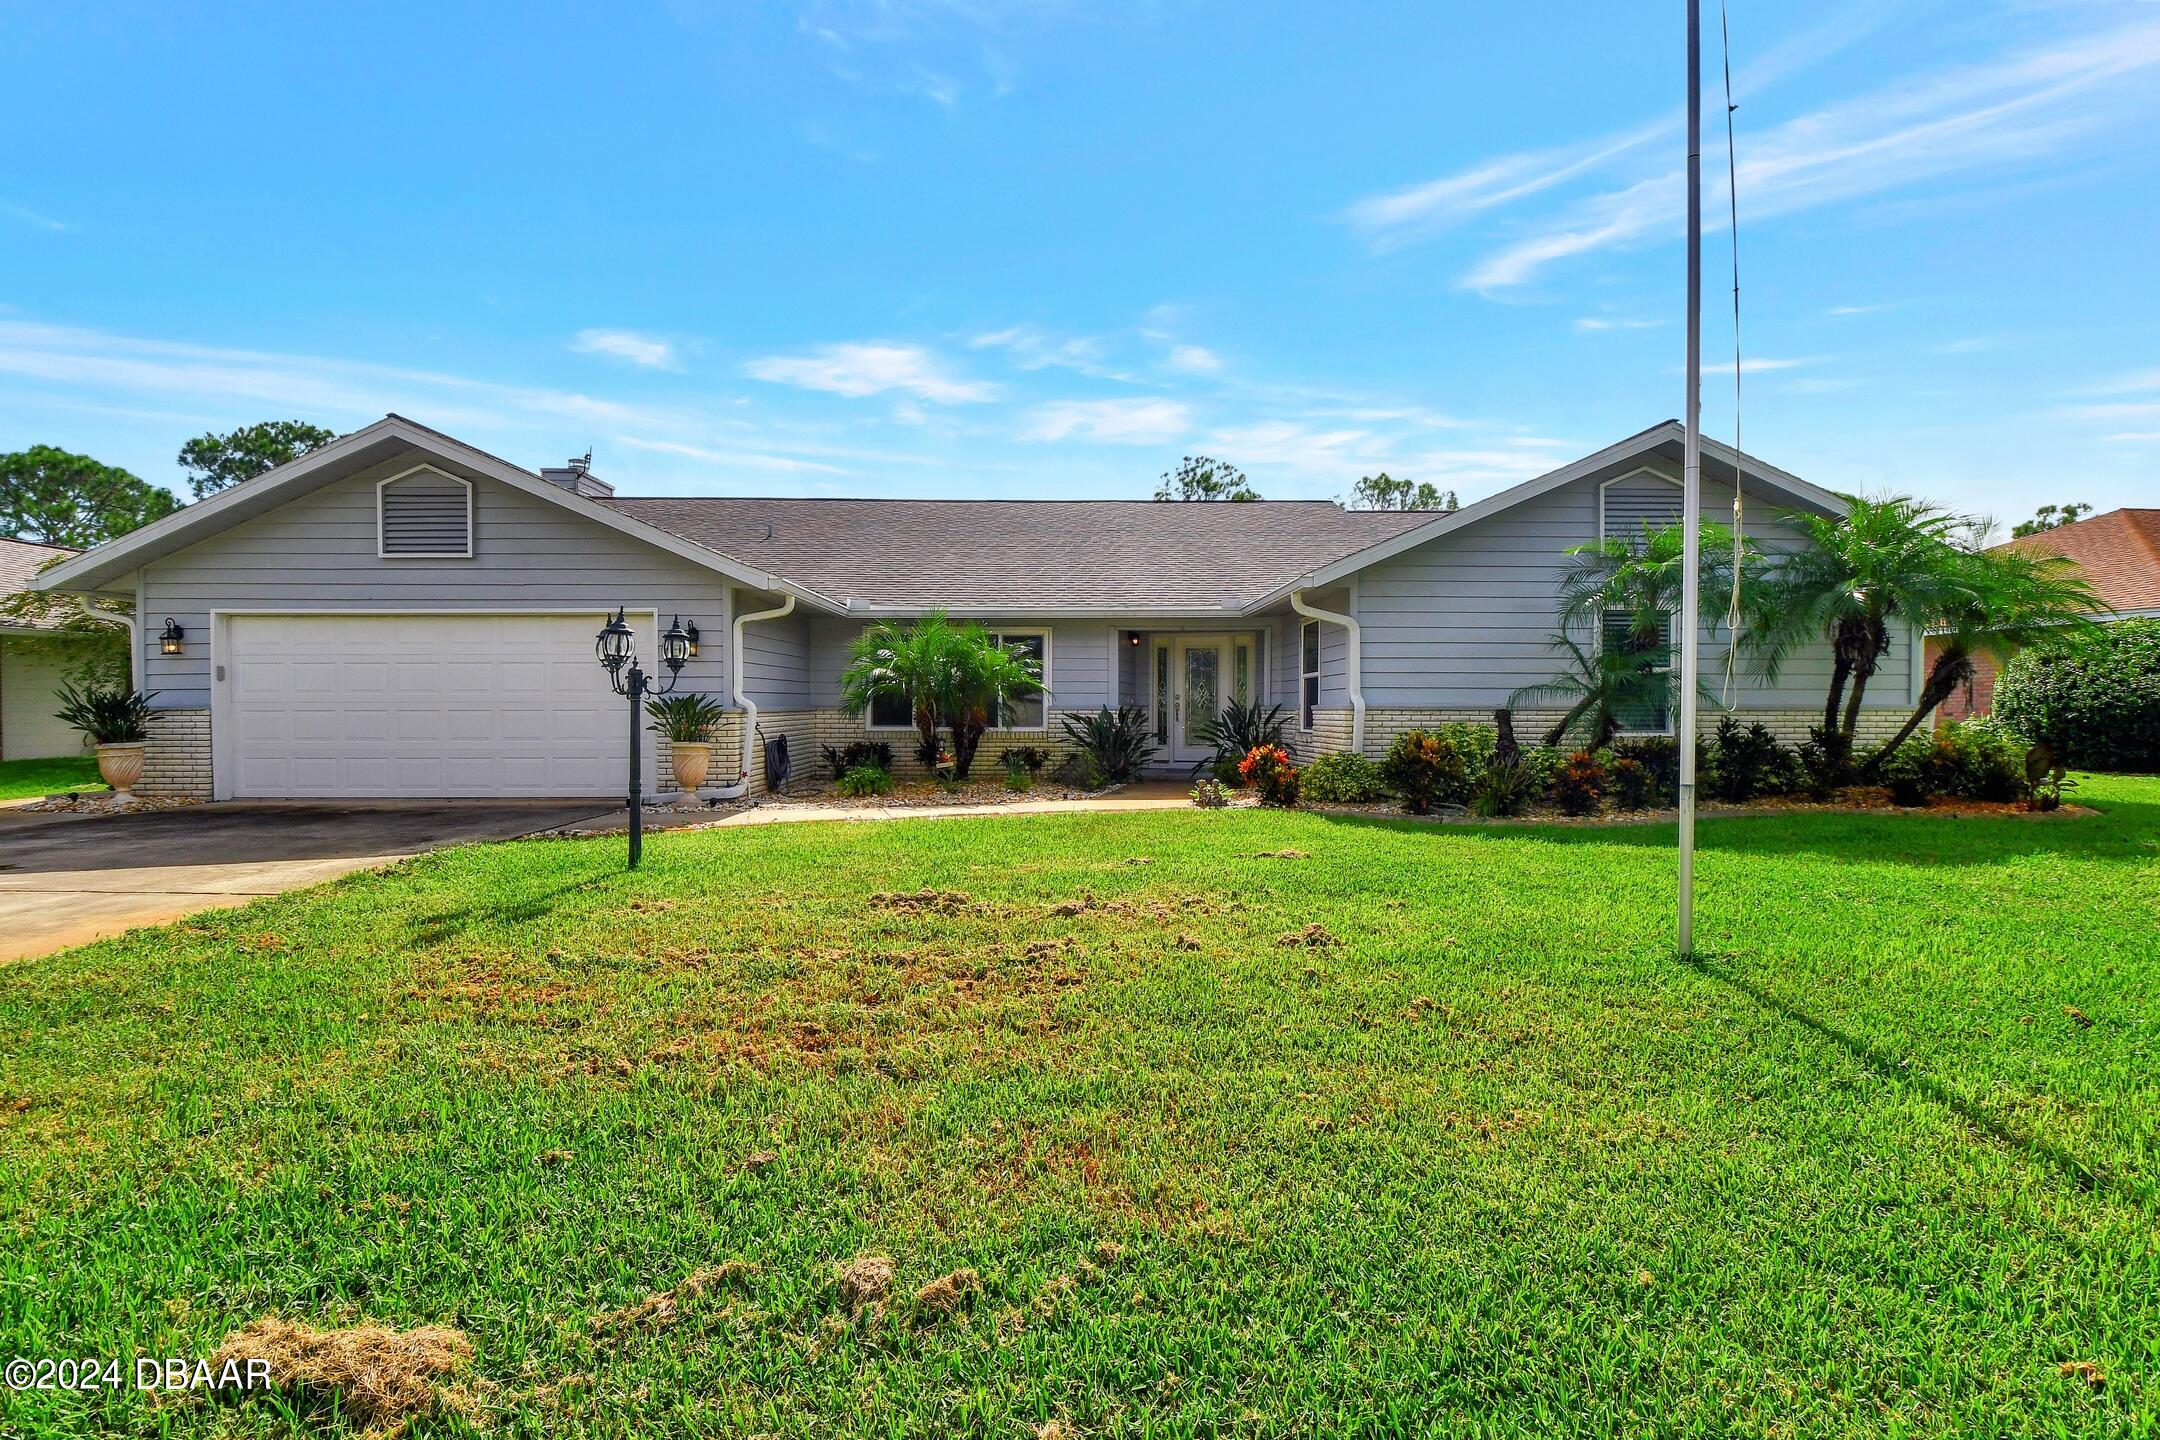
1204	673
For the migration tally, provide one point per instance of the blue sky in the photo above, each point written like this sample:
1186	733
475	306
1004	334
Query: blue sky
959	247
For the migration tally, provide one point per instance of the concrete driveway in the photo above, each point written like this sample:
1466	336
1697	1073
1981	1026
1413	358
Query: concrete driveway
66	879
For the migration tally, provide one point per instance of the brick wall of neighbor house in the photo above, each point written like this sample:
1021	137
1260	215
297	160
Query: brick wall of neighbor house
1963	705
176	755
1331	728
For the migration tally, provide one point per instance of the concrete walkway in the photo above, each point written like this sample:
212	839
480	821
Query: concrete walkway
1148	795
67	879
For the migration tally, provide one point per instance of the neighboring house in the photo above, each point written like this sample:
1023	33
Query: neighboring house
2118	554
36	655
398	613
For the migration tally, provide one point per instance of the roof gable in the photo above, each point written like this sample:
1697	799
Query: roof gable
347	455
1646	444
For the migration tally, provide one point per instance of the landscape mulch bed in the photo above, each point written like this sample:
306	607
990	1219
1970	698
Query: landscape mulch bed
1856	800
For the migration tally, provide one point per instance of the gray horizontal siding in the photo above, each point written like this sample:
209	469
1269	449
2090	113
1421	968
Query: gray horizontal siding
1463	621
317	552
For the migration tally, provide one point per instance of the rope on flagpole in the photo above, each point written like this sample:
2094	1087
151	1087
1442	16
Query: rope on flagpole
1733	616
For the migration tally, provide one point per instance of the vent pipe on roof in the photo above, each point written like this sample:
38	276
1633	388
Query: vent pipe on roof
575	475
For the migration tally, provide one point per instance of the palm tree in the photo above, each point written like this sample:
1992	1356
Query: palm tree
1882	561
1599	687
917	664
985	675
1643	577
948	674
2004	600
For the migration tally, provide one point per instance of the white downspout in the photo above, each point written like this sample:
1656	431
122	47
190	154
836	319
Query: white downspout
741	787
135	655
1354	662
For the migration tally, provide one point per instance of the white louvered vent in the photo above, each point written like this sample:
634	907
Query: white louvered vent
425	513
1633	501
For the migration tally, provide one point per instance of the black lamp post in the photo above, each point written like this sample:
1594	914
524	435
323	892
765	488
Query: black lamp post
616	646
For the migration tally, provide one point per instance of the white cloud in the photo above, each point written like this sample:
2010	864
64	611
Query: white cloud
1193	360
2130	384
645	350
869	368
1984	118
742	458
2134	437
1108	422
1602	322
1031	349
32	218
1757	364
1855	309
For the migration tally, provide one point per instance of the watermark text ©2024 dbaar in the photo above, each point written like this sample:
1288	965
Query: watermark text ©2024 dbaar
147	1372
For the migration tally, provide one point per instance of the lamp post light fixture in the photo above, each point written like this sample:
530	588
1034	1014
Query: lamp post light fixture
169	639
616	648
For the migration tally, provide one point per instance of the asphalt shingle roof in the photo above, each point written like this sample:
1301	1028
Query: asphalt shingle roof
984	555
19	560
2118	553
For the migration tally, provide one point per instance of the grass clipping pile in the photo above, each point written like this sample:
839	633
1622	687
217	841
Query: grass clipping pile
377	1376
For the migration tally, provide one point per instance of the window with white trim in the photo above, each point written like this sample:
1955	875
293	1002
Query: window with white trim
424	514
1308	672
1616	634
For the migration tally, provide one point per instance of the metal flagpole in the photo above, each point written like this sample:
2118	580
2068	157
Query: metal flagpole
1691	502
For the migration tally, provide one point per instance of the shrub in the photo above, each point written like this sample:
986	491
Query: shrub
1120	741
875	754
864	780
1741	761
1825	763
1918	769
1343	779
1506	788
1237	730
1019	779
1210	794
1580	784
685	719
1543	762
1422	768
2095	698
1659	757
1477	744
1034	759
1989	762
1631	783
1078	771
108	714
1267	768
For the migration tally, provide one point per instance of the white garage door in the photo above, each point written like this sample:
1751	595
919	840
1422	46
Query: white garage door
420	705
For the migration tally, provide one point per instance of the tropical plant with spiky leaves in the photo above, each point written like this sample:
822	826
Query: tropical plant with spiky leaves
916	664
2003	601
1643	577
1883	561
1598	687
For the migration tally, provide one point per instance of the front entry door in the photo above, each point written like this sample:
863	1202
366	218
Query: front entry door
1207	672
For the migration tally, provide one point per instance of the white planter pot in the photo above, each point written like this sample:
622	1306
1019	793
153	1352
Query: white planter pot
120	765
692	762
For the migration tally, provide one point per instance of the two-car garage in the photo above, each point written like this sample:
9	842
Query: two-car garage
415	705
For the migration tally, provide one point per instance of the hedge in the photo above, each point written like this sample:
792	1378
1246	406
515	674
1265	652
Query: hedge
2095	697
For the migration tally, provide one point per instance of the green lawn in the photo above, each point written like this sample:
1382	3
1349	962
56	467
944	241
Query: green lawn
1494	1164
27	779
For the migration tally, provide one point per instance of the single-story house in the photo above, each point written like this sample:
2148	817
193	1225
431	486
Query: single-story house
401	614
2118	554
37	653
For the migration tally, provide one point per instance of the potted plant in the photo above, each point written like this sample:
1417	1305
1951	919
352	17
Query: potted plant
117	719
688	722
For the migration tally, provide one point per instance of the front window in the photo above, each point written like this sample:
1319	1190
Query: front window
892	712
1027	714
1618	636
1309	673
897	712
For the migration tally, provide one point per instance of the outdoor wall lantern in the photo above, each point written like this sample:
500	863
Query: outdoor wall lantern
691	631
616	648
169	639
